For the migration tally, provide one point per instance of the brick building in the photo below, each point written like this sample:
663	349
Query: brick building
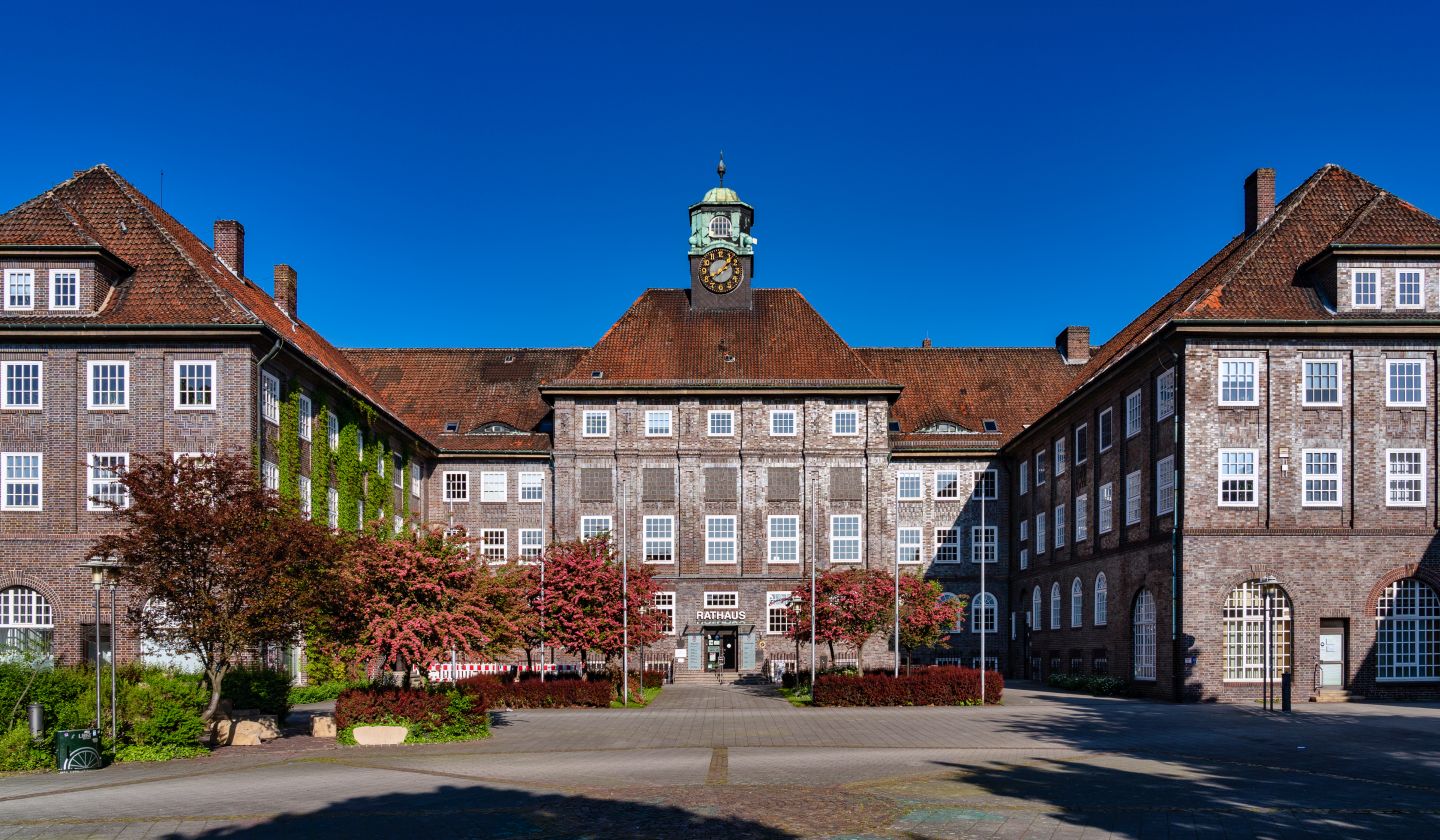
1262	435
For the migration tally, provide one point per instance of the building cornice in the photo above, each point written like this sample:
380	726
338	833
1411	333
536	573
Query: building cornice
51	252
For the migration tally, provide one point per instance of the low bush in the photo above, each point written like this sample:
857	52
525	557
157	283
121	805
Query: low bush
161	710
943	686
18	752
431	714
795	679
142	752
533	694
265	689
652	679
1096	684
322	691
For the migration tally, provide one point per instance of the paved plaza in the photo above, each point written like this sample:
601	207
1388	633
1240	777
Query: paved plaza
739	762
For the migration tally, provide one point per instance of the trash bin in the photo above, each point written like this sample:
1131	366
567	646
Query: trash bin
77	749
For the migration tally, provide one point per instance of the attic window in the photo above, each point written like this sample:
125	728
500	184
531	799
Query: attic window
944	427
991	426
894	425
597	374
729	357
509	358
452	427
497	429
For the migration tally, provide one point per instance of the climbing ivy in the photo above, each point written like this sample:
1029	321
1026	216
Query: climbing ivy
321	462
287	442
349	482
405	484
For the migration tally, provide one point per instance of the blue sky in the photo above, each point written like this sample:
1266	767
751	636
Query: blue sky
488	176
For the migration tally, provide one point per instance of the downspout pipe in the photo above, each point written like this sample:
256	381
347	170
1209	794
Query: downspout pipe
1177	655
260	399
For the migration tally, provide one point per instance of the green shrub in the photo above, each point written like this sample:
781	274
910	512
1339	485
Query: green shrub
1098	685
430	714
258	688
141	752
322	691
162	709
18	752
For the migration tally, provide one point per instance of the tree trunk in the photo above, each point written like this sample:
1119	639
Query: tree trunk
860	657
831	644
215	673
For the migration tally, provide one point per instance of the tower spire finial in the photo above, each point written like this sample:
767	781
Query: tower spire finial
720	170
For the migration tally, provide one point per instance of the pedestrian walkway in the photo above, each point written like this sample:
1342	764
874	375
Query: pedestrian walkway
718	697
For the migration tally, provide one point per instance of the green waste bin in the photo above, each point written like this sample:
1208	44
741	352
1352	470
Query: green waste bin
77	749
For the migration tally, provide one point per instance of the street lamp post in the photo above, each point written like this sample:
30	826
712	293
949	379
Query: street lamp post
897	582
984	627
102	573
1267	691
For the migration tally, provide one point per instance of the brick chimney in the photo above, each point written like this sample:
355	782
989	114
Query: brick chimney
287	291
1074	345
925	342
230	244
1259	198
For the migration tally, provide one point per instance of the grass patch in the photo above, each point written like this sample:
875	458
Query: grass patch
797	697
647	695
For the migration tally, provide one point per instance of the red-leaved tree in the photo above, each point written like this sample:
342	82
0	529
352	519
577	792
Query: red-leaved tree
851	606
582	600
925	620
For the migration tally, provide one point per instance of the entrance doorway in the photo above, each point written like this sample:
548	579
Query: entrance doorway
720	649
1332	653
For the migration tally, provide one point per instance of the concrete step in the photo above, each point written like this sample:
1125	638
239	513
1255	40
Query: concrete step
1333	695
684	677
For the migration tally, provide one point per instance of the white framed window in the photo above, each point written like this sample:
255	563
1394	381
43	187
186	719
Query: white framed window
1055	606
332	430
845	422
493	487
1165	485
1102	598
1133	407
108	385
456	486
947	484
380	462
659	539
1409	288
1041	538
720	539
1082	518
26	621
784	539
270	476
1238	382
307	417
910	486
494	545
782	423
1024	477
720	227
19	288
1252	634
1322	382
270	397
947	545
1040	458
1106	430
397	472
306	503
1144	637
721	600
1105	508
25	385
1133	511
1165	394
595	424
332	507
195	385
594	526
360	513
665	605
1082	443
907	545
1237	479
983	543
1365	288
64	288
1024	558
987	485
1037	618
658	423
360	445
1405	477
1321	474
107	491
1060	456
532	543
1405	382
532	487
1077	603
415	479
779	617
1407	632
845	539
1060	530
721	423
1024	530
984	614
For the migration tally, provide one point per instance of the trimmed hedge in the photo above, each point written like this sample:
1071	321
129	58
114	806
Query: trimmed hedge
1100	686
533	694
322	691
265	689
430	714
940	686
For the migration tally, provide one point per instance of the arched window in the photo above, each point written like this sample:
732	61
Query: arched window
947	597
1407	632
1055	606
1101	595
1077	603
983	611
1035	615
1144	645
27	624
720	227
1251	634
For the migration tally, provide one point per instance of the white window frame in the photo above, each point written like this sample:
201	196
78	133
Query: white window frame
919	483
1055	605
270	476
528	481
307	418
858	538
657	541
909	545
725	415
1305	477
1082	439
454	494
1220	380
1134	413
90	365
94	481
1058	528
1390	378
1391	477
55	274
664	602
723	600
306	503
1355	288
1134	509
1041	533
835	422
716	543
1105	508
947	545
39	385
1077	603
994	482
1024	477
1106	422
953	496
778	413
415	479
1164	394
489	548
1100	600
1040	457
1082	517
1165	485
11	277
531	544
489	492
1339	382
1024	558
1421	303
1236	478
985	615
1024	529
1143	637
777	601
1059	456
984	544
609	528
599	414
332	430
654	418
332	507
270	397
772	541
214	366
39	480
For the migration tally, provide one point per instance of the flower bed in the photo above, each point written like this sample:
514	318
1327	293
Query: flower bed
429	714
533	694
943	686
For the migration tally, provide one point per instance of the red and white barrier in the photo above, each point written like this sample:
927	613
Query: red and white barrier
446	672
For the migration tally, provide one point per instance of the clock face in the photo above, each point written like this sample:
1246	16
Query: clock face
721	271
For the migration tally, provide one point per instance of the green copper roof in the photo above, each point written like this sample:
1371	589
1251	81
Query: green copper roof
721	195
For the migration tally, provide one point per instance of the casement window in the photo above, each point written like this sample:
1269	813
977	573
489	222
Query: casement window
1237	478
1105	433
782	423
195	386
306	504
720	539
1405	382
1037	619
983	543
396	523
270	476
532	543
1059	456
532	487
270	397
845	422
721	600
1024	530
907	545
332	430
658	424
1082	518
109	385
1238	382
1322	382
27	622
332	507
1082	443
909	486
784	537
307	417
947	545
1165	485
397	472
659	539
1254	631
1165	395
595	424
19	288
1077	603
984	613
1024	558
1105	508
594	526
457	486
1365	288
380	463
721	423
779	616
24	385
1133	407
1409	288
664	603
106	490
359	445
1405	477
1024	477
1040	468
1060	526
493	545
415	479
1055	606
1407	632
947	484
1133	511
1143	637
493	487
1040	534
987	485
1102	599
64	288
1321	474
845	539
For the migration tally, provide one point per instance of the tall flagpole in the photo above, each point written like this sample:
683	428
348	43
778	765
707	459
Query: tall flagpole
624	604
813	639
897	581
984	626
543	493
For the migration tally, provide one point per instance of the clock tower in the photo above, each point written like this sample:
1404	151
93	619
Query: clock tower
722	252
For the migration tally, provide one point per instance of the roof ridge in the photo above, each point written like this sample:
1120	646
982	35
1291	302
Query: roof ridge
74	219
1048	348
1370	207
454	349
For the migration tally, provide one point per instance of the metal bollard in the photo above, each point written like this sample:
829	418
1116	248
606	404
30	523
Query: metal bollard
37	720
1285	680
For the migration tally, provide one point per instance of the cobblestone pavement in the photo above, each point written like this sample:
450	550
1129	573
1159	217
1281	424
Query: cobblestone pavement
710	762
